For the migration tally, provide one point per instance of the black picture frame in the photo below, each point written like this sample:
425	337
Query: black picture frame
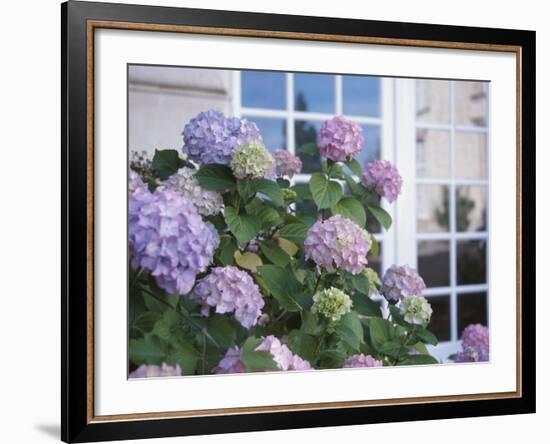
76	423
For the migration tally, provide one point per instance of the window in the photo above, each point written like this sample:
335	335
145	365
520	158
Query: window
293	106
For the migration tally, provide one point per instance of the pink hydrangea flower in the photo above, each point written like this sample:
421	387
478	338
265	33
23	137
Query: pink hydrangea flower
229	290
475	344
286	164
155	371
383	177
400	282
338	243
340	139
282	356
361	360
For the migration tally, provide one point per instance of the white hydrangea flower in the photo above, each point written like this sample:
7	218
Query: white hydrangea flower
416	310
331	303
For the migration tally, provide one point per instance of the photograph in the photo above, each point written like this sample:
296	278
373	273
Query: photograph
305	221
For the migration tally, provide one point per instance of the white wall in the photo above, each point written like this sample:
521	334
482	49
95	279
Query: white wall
29	238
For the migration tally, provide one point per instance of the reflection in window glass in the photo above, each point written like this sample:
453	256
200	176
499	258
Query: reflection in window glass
471	103
432	208
262	89
471	262
472	309
433	262
306	132
361	95
440	323
471	208
470	155
371	146
314	92
273	131
433	149
432	101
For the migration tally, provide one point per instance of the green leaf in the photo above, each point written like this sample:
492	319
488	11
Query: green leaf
274	253
331	359
375	246
283	183
309	148
268	217
256	360
324	191
145	321
350	208
226	250
147	350
294	232
381	216
360	283
244	227
166	325
271	190
365	306
392	348
186	356
311	324
356	188
290	248
216	177
419	346
418	360
166	162
302	192
302	344
223	329
425	335
350	330
354	166
282	285
248	260
246	188
380	331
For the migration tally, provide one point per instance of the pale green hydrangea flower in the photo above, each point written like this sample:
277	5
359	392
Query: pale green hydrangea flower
374	280
252	160
416	310
331	303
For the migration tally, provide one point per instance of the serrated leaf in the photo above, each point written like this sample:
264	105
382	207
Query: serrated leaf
282	285
380	331
350	330
274	253
166	163
246	188
325	192
268	217
350	208
366	306
248	260
381	216
216	177
294	232
288	247
254	360
243	226
271	190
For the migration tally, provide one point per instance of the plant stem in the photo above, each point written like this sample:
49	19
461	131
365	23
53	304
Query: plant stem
188	318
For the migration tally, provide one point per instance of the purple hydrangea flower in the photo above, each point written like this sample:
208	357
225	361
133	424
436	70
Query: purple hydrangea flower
183	182
168	237
400	282
475	344
383	177
210	137
230	290
135	183
155	371
361	360
337	242
286	164
283	357
340	139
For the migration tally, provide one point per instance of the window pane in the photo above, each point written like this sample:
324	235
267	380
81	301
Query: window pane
432	101
273	131
432	208
375	262
440	323
371	146
433	263
471	309
471	262
361	95
306	132
471	208
263	89
314	92
433	154
471	103
470	155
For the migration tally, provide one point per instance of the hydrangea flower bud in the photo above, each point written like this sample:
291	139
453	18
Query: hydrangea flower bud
331	303
229	290
210	137
383	177
361	360
251	160
401	282
338	243
416	310
340	139
206	202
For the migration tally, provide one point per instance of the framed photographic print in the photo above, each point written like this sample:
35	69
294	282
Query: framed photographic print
276	221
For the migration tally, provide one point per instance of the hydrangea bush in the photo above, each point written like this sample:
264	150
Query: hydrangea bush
227	276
